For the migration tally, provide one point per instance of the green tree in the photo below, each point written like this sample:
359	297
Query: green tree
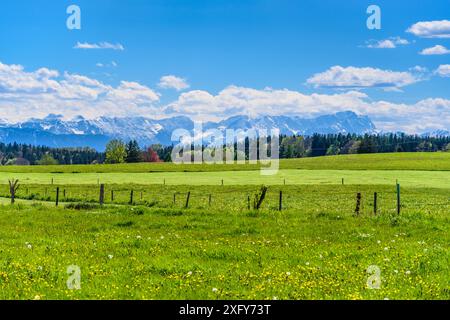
368	145
115	152
333	150
446	148
134	154
47	160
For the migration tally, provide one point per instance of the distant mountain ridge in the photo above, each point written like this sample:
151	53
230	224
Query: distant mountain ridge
436	133
53	131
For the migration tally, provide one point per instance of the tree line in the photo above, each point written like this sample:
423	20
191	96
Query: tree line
334	144
299	146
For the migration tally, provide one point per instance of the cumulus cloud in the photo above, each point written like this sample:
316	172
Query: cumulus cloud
359	78
425	115
436	50
443	70
431	29
173	82
26	94
97	46
235	100
390	43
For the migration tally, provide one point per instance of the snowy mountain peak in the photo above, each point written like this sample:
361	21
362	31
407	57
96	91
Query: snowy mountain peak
56	132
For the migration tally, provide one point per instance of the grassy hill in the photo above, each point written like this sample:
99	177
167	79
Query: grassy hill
438	161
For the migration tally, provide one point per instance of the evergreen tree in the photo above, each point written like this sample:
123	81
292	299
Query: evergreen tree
133	152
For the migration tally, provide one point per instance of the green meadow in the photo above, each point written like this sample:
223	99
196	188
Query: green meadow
410	178
175	232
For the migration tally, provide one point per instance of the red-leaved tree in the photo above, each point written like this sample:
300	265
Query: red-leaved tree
151	156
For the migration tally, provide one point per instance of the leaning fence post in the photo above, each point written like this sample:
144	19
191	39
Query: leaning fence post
187	199
398	199
375	198
57	196
102	194
358	203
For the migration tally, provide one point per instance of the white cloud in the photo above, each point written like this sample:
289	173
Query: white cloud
38	93
419	69
443	70
390	43
383	44
26	94
133	91
424	115
360	78
431	29
173	82
113	64
235	100
436	50
97	46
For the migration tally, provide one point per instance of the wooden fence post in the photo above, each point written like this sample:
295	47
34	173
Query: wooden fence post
210	199
174	198
131	196
13	187
141	195
187	199
102	194
248	202
375	198
342	181
398	199
112	195
281	201
57	196
358	203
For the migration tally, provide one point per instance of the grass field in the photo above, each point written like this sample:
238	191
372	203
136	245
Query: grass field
438	161
316	248
432	179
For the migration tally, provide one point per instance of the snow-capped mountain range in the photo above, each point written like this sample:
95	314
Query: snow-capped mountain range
53	131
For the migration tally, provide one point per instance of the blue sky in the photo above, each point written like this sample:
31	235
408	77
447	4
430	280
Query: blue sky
229	56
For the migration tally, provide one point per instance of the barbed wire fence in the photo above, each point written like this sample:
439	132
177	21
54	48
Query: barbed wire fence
360	199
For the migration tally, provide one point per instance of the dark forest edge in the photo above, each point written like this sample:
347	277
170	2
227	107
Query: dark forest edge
291	147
